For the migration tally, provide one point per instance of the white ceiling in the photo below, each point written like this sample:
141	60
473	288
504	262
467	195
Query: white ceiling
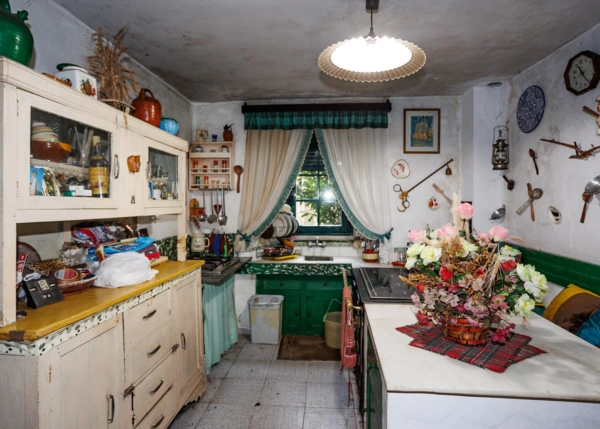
220	50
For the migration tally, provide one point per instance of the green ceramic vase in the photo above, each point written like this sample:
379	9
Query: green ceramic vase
16	40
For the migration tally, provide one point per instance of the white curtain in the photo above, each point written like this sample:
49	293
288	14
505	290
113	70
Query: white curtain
357	160
273	160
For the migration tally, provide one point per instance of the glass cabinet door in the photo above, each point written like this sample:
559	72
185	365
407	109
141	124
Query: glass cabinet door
164	175
68	158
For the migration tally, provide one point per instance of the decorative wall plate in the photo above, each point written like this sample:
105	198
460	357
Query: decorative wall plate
530	109
400	169
433	204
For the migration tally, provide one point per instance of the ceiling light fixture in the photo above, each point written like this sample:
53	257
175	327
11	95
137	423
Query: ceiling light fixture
371	58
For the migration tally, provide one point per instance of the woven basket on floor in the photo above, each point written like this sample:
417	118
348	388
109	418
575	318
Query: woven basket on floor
462	333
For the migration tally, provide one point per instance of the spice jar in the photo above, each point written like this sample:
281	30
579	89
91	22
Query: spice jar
215	166
195	164
224	166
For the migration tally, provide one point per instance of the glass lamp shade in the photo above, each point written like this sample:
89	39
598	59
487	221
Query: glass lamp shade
371	59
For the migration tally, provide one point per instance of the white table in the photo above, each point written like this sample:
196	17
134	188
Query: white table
560	389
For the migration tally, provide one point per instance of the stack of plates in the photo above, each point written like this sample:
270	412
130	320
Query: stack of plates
285	225
40	132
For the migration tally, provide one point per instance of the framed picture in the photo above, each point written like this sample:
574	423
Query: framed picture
421	130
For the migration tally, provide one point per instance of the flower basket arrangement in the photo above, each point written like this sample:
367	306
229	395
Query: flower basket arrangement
470	284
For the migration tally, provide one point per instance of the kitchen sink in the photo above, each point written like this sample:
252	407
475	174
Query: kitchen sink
318	258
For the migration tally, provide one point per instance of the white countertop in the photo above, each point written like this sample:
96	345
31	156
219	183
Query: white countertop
570	370
356	262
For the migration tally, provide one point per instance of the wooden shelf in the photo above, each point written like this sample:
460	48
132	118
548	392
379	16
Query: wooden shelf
224	175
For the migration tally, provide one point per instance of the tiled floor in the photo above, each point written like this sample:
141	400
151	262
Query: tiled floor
250	389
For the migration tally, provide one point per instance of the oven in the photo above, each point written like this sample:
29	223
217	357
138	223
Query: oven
374	286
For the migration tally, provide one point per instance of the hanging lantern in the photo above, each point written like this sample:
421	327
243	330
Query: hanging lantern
500	154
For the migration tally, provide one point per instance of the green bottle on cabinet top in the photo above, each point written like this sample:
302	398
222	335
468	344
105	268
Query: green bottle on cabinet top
16	41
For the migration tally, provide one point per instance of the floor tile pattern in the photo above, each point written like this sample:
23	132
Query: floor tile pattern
250	389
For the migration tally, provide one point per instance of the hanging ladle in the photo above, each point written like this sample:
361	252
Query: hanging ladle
213	217
223	217
203	216
591	189
536	194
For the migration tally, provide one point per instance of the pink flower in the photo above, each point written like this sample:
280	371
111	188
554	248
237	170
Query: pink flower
465	211
483	237
447	231
497	234
417	236
498	303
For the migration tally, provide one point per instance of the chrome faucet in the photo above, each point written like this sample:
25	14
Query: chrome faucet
317	243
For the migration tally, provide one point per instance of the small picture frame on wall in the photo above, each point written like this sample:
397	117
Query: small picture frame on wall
422	131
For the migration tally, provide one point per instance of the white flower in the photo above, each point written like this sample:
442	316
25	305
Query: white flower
430	254
534	290
539	280
468	247
509	251
524	305
434	234
415	249
410	262
524	272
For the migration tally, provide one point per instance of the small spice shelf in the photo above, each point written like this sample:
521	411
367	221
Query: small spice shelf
212	168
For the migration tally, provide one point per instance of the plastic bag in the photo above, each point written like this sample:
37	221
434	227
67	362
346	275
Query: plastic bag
124	269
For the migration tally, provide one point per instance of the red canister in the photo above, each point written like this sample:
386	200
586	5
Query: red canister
147	108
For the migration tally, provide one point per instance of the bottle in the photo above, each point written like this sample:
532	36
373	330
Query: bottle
99	175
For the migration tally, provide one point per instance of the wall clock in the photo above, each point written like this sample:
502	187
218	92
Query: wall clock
530	109
583	72
400	169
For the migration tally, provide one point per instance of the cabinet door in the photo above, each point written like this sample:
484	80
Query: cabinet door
374	409
316	305
164	175
187	310
64	156
292	320
90	376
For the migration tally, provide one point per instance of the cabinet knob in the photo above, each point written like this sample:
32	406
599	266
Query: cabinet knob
297	313
324	283
308	313
117	167
280	284
183	342
133	199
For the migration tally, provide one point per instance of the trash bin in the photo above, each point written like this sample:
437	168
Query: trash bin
333	330
265	318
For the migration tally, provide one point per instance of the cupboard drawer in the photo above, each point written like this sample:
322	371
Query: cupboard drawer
151	350
153	387
325	283
274	285
145	317
162	413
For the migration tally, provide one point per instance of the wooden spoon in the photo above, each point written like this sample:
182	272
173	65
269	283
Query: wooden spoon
530	192
586	198
534	156
238	170
511	183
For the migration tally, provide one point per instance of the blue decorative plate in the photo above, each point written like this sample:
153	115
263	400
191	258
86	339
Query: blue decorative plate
530	109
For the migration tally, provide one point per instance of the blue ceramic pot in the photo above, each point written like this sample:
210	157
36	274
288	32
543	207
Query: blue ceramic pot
169	125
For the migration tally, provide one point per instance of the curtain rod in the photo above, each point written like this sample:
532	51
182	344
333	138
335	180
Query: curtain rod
336	107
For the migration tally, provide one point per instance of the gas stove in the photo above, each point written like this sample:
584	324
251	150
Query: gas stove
216	264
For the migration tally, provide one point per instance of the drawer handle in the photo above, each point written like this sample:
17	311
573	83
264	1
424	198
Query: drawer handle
152	392
149	315
111	417
153	352
157	424
183	342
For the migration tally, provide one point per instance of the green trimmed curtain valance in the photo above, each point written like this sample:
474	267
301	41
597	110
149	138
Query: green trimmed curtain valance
339	120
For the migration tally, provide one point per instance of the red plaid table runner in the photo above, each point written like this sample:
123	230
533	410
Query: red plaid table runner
495	357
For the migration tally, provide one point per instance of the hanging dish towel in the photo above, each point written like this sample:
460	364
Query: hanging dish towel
348	349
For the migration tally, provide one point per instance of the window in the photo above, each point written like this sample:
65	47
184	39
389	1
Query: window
312	199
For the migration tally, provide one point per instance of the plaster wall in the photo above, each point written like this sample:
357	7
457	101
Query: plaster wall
562	179
60	37
212	116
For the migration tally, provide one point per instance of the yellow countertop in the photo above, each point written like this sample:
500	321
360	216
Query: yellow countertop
45	320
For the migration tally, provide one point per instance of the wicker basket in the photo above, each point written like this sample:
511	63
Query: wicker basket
76	287
462	333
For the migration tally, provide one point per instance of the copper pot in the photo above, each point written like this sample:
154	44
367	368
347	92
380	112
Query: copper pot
147	108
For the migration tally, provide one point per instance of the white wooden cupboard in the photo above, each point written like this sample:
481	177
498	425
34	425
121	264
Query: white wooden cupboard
134	370
27	98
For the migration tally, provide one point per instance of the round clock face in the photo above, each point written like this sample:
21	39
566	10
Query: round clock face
400	169
582	73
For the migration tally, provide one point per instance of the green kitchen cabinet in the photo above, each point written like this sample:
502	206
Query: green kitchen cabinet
306	300
374	406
